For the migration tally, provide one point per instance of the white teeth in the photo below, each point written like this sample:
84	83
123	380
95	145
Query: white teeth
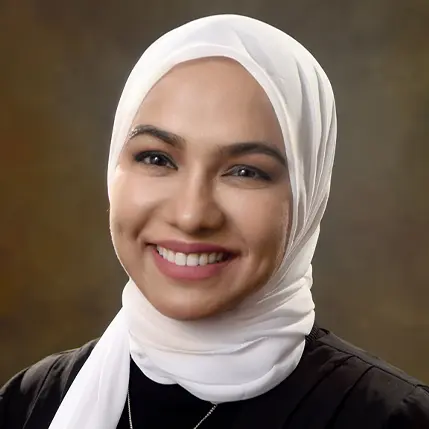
203	259
191	259
180	259
171	256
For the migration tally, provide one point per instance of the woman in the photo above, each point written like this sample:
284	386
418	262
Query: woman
218	177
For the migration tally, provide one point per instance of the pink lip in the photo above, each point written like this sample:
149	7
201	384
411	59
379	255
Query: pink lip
199	272
178	246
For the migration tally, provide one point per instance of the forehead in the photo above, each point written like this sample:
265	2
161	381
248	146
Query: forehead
218	73
215	97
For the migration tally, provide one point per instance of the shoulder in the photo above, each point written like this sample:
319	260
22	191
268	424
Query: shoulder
42	386
372	368
363	387
61	367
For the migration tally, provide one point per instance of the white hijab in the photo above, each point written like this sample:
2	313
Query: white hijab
250	350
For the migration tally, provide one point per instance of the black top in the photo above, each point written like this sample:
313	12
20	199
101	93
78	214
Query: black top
335	385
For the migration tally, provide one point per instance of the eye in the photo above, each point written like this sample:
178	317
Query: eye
156	159
247	172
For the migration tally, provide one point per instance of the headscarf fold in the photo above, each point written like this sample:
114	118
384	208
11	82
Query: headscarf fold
245	352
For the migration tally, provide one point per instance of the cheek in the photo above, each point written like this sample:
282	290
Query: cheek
263	219
132	201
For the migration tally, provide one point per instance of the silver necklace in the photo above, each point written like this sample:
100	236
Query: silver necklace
195	427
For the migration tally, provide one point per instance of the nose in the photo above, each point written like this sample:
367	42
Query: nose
195	209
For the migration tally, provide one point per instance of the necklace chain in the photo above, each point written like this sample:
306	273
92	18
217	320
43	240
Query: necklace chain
195	427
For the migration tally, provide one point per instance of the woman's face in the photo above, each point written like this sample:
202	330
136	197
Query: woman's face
200	200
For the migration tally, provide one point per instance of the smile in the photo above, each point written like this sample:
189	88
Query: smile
191	259
187	261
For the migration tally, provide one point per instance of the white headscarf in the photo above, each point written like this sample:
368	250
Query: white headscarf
247	351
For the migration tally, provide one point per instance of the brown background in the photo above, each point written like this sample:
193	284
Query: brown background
63	65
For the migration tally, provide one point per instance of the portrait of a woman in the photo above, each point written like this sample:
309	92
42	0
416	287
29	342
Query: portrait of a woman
218	177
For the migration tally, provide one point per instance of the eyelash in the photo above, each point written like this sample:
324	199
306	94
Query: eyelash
260	175
256	173
141	156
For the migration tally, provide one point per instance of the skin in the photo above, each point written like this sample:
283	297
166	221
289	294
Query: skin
200	190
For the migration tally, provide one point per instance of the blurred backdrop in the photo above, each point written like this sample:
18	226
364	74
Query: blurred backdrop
63	65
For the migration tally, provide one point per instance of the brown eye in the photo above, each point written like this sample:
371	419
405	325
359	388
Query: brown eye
247	172
156	159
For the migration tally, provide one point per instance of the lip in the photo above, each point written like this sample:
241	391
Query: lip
183	247
188	273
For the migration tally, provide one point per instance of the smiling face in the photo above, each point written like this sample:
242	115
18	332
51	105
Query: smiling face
200	198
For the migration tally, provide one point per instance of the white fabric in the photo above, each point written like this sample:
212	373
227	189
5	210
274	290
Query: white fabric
249	350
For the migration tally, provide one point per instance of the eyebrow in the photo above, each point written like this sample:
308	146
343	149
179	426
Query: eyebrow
165	136
235	149
243	148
